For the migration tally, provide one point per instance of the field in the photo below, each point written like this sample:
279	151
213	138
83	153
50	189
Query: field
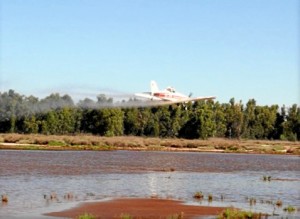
91	142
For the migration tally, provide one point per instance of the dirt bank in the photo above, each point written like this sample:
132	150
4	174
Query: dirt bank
138	208
90	142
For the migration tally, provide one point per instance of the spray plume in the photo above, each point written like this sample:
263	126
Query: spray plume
13	104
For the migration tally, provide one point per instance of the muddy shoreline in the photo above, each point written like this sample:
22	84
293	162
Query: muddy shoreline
139	208
98	143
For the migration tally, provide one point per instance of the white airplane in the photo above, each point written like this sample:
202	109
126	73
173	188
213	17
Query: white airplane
168	95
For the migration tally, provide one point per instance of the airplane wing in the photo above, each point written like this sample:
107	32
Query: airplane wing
186	100
202	98
147	95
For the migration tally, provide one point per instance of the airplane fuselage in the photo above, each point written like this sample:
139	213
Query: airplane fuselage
169	95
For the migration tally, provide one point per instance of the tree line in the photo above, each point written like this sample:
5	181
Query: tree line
56	114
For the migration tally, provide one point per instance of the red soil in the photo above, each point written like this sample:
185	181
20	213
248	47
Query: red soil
138	208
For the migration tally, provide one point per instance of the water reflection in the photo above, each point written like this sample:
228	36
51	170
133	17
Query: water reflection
152	184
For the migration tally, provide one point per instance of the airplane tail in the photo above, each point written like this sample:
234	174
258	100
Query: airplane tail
154	87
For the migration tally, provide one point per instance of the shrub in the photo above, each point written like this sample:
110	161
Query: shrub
290	209
56	143
86	216
198	195
126	216
278	203
235	213
176	216
210	197
267	178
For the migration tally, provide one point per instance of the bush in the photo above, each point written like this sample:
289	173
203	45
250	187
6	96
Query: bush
290	209
198	195
56	143
235	213
86	216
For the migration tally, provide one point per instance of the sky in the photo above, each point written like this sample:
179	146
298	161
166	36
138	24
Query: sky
235	48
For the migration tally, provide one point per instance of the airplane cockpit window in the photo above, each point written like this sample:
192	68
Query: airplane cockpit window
171	89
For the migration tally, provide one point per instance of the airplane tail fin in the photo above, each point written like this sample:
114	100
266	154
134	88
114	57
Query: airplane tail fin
154	87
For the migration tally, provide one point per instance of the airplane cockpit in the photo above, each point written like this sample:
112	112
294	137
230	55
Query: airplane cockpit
171	89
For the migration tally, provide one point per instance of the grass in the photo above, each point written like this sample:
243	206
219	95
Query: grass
92	142
290	209
210	197
86	216
198	195
267	178
4	198
176	216
252	201
126	216
56	143
278	203
231	213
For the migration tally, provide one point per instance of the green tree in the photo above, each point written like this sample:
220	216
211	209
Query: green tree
112	122
165	121
291	127
201	123
249	120
50	123
220	120
150	122
136	121
31	125
66	120
234	119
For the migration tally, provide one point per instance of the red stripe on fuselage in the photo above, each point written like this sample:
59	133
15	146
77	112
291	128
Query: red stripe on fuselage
164	95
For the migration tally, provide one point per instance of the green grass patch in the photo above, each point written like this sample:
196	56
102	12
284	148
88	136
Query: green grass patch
31	147
198	195
56	143
231	213
86	216
290	209
126	216
176	216
267	178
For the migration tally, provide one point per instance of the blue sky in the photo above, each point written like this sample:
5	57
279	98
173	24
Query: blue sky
235	48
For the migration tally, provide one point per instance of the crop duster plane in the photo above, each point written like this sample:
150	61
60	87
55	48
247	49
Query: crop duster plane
168	95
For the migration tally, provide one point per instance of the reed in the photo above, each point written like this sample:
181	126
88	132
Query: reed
278	203
198	195
86	216
210	197
290	209
231	213
4	198
176	216
126	216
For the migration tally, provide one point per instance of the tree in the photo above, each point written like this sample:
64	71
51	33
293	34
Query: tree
164	121
152	126
66	120
249	120
201	123
31	125
234	119
291	127
220	120
111	123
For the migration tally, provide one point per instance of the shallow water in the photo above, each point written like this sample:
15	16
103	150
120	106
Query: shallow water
26	176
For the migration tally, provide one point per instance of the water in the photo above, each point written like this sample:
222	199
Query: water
26	176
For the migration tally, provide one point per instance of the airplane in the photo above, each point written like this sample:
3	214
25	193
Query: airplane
168	95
